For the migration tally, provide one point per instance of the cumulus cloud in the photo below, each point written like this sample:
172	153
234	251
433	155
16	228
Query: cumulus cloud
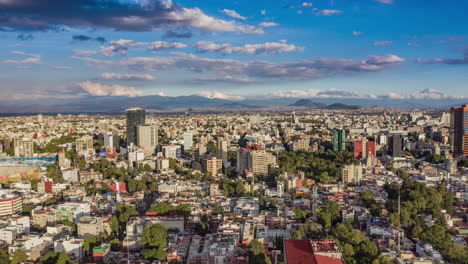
328	12
220	95
263	12
195	18
31	58
306	4
97	89
383	43
120	46
126	77
294	70
117	15
268	24
428	93
269	47
162	45
225	79
233	14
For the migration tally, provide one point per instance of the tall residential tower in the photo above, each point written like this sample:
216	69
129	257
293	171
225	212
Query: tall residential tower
459	130
135	117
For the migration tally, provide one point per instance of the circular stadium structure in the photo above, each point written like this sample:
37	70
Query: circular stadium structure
18	172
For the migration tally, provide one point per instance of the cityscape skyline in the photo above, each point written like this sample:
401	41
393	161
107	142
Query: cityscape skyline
375	49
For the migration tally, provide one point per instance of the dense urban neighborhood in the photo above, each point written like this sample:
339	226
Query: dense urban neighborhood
310	186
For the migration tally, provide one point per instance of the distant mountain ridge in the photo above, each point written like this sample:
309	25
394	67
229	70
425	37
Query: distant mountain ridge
157	103
307	103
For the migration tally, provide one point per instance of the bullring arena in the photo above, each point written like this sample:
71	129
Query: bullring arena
18	172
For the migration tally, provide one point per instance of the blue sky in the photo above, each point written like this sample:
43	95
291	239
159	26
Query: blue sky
234	49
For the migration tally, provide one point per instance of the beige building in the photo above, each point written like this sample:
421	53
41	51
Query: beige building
260	161
221	149
10	204
24	148
84	143
351	173
213	166
147	138
90	226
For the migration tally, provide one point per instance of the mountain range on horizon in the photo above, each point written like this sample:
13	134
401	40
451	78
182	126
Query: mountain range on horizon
158	103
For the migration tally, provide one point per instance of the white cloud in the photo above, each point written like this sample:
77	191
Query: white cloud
195	18
220	95
306	4
226	79
316	93
428	93
120	46
357	33
296	70
97	89
233	14
263	12
268	24
269	47
32	58
126	77
383	43
328	12
162	45
387	2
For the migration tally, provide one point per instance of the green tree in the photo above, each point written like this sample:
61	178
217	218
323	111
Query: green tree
114	224
63	258
184	209
90	242
300	214
162	208
19	256
4	257
256	247
153	254
154	236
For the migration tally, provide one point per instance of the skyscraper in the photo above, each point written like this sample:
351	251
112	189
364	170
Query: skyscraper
459	130
339	140
135	117
395	146
147	137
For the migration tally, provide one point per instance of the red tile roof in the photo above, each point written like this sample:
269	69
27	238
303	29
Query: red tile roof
301	252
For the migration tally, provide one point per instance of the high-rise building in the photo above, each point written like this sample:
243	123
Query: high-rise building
188	140
395	146
40	118
459	130
24	148
260	161
135	117
364	148
339	140
221	149
254	159
351	173
147	138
